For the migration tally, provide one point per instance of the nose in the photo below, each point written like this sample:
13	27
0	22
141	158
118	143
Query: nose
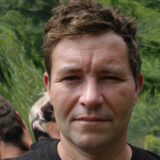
91	96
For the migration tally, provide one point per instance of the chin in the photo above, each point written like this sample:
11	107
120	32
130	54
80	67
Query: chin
93	141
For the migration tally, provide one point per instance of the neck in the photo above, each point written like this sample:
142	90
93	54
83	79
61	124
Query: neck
118	151
10	151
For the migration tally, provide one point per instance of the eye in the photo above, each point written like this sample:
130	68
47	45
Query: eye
114	78
71	78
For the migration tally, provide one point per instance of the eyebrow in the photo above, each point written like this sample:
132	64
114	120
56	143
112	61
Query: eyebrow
68	70
71	70
112	71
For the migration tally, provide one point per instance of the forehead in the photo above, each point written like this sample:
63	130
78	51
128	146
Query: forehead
108	48
88	41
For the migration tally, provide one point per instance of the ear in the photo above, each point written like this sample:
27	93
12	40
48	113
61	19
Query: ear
20	120
46	83
139	87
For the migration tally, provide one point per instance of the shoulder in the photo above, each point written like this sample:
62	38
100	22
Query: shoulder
141	154
44	142
45	150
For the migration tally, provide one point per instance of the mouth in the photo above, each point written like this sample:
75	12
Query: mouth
92	120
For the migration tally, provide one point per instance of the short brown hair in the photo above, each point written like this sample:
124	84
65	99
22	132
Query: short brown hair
86	16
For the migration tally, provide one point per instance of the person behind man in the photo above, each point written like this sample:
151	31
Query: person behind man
93	80
42	119
15	139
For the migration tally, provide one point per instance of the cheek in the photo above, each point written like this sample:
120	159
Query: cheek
121	100
63	100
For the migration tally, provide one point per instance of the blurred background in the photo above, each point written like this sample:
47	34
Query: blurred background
22	65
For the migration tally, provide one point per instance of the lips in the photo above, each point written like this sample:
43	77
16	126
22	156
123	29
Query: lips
91	119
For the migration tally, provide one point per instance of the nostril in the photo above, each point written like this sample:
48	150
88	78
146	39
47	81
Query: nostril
91	94
91	101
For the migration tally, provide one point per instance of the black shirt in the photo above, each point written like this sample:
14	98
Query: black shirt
47	150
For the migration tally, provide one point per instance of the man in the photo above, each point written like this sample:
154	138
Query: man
14	136
93	79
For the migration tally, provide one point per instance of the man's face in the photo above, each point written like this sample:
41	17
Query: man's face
92	89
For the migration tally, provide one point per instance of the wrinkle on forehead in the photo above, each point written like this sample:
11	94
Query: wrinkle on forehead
85	51
80	40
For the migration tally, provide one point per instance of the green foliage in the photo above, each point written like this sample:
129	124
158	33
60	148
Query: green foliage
21	80
151	4
21	56
152	143
146	121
